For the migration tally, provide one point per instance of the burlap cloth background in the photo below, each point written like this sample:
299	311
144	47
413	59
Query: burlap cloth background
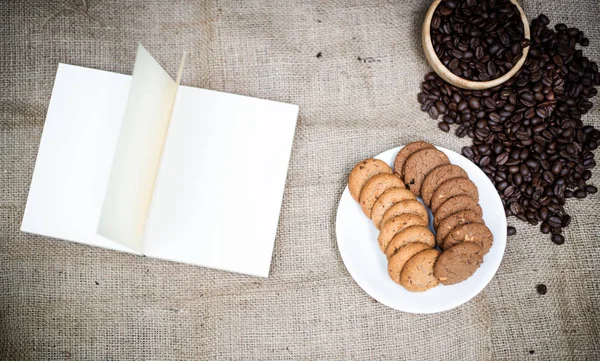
60	300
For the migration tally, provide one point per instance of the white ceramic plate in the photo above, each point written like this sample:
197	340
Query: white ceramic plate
357	242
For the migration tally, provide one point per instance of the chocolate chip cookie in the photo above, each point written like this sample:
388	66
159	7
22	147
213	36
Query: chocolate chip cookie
454	205
417	273
374	188
398	260
386	201
412	234
362	172
453	221
452	188
406	152
410	206
471	232
458	263
438	176
396	225
419	164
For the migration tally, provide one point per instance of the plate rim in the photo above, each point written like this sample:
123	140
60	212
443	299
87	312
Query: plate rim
416	310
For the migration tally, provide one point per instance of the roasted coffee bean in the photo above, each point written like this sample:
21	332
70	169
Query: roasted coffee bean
468	152
541	289
590	189
517	179
545	228
531	163
436	21
586	175
433	112
502	159
511	231
556	167
444	126
483	148
558	239
474	103
554	221
485	161
516	208
440	106
543	213
566	220
580	193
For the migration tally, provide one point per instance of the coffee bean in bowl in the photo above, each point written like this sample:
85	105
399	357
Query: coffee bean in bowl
478	40
475	44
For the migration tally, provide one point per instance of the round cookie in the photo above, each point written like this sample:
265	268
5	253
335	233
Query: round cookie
411	206
458	263
452	188
396	225
406	152
417	273
454	205
453	221
375	187
477	233
412	234
362	172
438	176
419	164
398	260
386	201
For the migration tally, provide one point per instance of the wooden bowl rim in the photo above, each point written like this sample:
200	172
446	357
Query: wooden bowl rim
455	80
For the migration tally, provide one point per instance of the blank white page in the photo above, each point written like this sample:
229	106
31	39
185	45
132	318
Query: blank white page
75	155
221	181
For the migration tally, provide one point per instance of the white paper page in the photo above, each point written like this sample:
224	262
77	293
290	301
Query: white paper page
221	181
138	154
75	155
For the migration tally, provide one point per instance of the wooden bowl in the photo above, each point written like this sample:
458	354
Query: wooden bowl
455	80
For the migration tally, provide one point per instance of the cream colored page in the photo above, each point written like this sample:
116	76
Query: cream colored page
141	140
221	181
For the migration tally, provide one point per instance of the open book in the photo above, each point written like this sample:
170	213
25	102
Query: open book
141	164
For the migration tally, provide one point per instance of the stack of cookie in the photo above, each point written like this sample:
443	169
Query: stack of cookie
417	259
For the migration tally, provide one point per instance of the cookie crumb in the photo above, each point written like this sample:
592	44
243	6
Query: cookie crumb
319	54
97	283
542	289
531	352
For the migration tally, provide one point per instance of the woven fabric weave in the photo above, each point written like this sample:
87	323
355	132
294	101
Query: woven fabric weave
354	67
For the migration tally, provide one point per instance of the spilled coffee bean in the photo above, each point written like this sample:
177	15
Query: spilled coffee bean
528	135
478	40
511	231
541	289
